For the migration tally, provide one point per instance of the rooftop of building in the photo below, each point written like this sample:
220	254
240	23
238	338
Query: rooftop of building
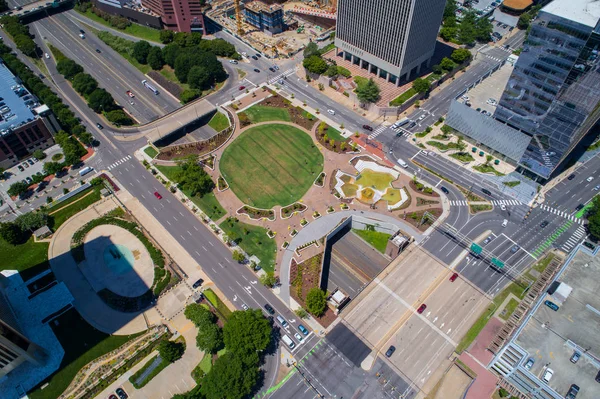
16	102
586	12
259	6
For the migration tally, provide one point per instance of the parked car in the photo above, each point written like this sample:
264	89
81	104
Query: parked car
573	390
548	375
30	161
453	277
575	357
271	69
254	58
302	329
571	176
514	249
258	55
121	393
487	240
269	308
298	337
367	127
390	351
579	207
233	62
197	283
113	396
551	305
421	308
47	55
157	195
589	179
20	168
529	363
25	164
244	306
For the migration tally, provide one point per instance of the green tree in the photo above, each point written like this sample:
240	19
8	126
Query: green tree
39	154
166	36
100	100
198	78
188	95
119	118
483	29
11	233
466	30
52	168
246	332
594	222
170	351
170	53
238	256
209	338
26	45
86	138
447	64
31	221
155	58
311	49
301	313
450	9
331	71
18	188
198	314
448	33
192	39
193	178
84	83
368	92
460	55
421	85
315	64
140	51
316	302
229	378
524	21
68	68
268	279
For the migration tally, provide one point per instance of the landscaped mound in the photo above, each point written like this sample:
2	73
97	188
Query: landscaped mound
271	165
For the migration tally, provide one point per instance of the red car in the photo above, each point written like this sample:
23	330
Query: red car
157	195
130	94
242	87
421	308
453	277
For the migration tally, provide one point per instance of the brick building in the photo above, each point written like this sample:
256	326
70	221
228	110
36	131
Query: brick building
179	15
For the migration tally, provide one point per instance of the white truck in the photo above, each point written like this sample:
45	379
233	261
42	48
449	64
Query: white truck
85	170
288	341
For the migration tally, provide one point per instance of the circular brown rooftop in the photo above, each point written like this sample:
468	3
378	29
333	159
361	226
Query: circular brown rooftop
517	5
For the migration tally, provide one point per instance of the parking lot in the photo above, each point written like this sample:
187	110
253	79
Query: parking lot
551	337
388	314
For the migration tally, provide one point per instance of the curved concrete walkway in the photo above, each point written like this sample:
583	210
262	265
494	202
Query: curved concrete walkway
320	227
87	302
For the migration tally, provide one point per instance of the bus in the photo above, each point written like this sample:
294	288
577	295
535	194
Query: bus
149	86
85	170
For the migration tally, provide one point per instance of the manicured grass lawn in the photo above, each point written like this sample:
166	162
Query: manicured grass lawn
334	134
219	122
206	363
271	165
208	203
253	240
74	205
376	239
140	31
542	264
509	308
379	180
82	344
402	98
349	189
151	152
392	195
263	113
28	259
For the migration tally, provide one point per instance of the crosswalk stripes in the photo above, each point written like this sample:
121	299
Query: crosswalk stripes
119	162
560	213
377	131
458	203
281	75
574	239
506	202
497	59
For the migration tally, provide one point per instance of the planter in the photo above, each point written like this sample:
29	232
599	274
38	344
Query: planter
285	245
256	214
303	222
316	215
288	211
294	232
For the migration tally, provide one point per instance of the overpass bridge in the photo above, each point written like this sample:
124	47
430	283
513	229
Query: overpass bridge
38	9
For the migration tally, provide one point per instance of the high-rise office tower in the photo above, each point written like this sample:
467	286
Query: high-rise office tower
553	94
179	15
391	38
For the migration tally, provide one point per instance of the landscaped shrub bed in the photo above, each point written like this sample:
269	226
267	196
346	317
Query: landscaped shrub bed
287	211
222	184
320	180
420	187
256	214
331	139
197	148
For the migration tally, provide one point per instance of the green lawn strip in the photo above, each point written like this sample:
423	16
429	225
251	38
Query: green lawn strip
82	344
402	98
334	134
112	41
264	113
509	309
480	323
271	165
206	363
253	240
151	151
487	169
29	258
219	122
75	206
207	203
139	31
161	366
542	264
376	239
222	310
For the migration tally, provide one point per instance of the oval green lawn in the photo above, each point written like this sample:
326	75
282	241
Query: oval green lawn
271	165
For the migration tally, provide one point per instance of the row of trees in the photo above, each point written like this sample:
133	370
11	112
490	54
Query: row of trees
246	335
458	57
113	20
19	230
20	35
593	217
526	18
98	99
470	29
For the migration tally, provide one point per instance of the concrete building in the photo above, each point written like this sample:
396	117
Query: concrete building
552	95
178	15
24	125
268	18
391	38
133	11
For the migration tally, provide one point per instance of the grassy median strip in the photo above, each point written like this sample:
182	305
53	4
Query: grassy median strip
74	205
222	310
157	369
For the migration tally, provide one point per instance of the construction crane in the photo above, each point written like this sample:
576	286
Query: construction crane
238	17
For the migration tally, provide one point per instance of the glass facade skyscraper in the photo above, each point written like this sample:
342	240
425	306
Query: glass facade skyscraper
553	94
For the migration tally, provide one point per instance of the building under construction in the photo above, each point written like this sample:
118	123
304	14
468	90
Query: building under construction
268	18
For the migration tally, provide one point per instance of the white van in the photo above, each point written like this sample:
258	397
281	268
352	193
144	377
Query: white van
288	341
504	223
402	163
282	321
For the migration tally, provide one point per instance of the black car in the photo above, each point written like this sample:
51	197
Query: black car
258	55
572	394
98	50
254	58
444	190
271	69
390	351
121	393
486	191
99	126
367	127
256	70
544	224
269	308
579	207
571	176
198	283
